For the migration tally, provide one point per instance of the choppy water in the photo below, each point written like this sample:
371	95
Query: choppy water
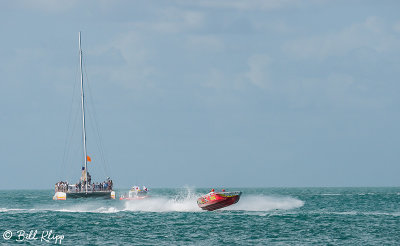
280	216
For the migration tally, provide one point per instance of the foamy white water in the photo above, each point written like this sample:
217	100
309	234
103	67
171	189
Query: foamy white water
161	204
186	201
189	204
265	203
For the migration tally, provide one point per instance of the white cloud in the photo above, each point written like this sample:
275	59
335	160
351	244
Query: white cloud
371	34
335	90
215	79
207	42
244	5
276	26
396	27
173	20
258	73
132	68
48	5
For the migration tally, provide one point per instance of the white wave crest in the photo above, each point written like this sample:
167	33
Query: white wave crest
5	210
83	209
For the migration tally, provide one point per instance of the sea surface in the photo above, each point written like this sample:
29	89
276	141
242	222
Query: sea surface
263	216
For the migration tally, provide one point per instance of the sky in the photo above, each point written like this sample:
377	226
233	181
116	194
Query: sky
208	93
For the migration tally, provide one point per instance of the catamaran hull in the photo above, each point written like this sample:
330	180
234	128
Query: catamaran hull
93	194
217	200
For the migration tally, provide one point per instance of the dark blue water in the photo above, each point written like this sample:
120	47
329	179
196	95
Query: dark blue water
263	216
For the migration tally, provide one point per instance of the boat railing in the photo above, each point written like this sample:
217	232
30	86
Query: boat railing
77	189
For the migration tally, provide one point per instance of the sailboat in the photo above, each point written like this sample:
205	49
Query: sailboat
84	188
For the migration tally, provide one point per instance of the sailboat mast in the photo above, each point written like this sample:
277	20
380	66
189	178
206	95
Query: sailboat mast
83	114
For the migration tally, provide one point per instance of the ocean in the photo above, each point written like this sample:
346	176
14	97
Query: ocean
263	216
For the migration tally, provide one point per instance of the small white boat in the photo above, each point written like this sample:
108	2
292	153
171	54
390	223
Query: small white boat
136	194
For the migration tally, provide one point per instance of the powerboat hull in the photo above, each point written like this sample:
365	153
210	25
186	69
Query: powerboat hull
217	200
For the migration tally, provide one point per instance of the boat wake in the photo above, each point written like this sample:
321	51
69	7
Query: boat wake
265	203
71	209
6	210
186	201
189	204
160	204
85	209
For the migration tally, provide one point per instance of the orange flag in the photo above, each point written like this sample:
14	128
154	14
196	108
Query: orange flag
88	158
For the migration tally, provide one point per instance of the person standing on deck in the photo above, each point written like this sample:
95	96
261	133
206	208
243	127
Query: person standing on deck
89	177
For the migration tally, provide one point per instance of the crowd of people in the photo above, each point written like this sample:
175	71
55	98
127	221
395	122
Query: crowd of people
62	186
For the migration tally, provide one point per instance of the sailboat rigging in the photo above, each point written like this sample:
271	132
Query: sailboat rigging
84	188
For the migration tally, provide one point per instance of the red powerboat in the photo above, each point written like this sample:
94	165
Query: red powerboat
220	199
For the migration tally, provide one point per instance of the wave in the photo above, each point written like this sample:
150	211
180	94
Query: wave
83	209
74	209
5	210
356	213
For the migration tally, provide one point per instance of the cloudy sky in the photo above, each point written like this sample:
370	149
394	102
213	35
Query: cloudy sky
202	93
